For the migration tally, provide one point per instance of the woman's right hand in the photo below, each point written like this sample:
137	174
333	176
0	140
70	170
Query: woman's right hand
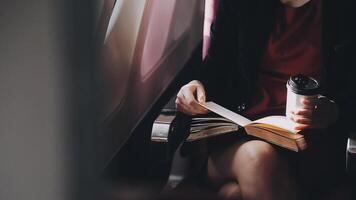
189	97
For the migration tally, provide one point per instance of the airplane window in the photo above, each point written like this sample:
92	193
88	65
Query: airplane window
159	22
168	20
119	47
184	12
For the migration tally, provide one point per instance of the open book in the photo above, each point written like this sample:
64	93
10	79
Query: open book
274	129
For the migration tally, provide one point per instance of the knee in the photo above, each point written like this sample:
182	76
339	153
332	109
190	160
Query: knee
261	171
258	154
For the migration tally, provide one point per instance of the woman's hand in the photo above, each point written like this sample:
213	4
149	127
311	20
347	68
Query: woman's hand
189	97
315	115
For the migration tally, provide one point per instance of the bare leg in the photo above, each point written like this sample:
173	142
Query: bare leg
259	170
230	191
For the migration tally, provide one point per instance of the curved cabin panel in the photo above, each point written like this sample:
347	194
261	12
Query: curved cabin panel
157	22
164	28
147	44
119	48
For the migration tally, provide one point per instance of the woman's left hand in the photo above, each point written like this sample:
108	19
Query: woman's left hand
315	115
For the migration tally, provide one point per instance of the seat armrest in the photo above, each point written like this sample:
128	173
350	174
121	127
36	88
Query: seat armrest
169	131
351	155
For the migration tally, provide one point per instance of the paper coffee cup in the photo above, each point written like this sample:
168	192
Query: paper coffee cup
301	87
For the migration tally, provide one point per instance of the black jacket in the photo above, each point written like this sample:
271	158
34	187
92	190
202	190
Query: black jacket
239	38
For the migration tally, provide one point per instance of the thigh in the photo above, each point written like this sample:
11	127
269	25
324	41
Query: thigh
220	160
246	156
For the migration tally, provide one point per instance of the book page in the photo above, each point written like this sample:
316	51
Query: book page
279	122
198	127
236	118
197	135
210	119
209	124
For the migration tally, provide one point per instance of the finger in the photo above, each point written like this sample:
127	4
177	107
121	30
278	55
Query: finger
308	104
306	101
186	102
191	102
304	121
201	94
302	127
185	109
314	125
300	120
188	109
308	113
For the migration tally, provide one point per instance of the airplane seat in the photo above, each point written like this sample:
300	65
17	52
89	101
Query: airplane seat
186	169
182	180
351	157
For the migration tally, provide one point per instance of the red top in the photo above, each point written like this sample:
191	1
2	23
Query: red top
294	47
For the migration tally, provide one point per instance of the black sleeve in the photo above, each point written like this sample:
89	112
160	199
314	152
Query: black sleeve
347	106
221	54
347	56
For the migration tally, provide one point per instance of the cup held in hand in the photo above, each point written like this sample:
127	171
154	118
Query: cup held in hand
300	87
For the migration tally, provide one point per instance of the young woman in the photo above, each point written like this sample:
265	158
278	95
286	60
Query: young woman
256	45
